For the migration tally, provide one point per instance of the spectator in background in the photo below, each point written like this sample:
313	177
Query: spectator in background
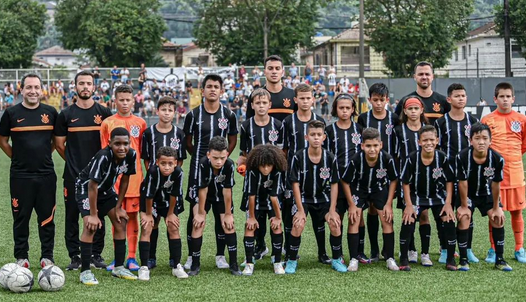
96	76
344	82
293	71
125	75
105	86
256	73
229	83
143	75
181	112
189	87
321	73
242	73
149	107
295	82
308	73
60	88
332	79
9	100
115	74
139	102
200	76
482	102
232	70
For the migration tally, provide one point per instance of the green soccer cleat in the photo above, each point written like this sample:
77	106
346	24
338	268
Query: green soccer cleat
123	273
502	265
87	278
463	266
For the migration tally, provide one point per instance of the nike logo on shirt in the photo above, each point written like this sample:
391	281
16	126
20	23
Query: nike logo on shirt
74	120
20	120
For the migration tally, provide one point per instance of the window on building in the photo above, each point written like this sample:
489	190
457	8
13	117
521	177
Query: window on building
463	52
469	50
516	51
456	54
488	44
350	55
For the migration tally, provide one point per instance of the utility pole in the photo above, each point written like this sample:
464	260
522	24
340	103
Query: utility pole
507	44
362	47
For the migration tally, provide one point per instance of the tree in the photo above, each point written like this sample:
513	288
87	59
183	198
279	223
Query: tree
114	32
21	22
235	30
181	9
517	21
409	31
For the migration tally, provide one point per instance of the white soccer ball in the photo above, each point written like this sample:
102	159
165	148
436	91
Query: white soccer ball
51	278
5	271
20	280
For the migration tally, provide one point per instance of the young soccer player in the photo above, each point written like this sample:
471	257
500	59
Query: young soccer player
96	198
266	166
314	180
135	126
454	135
215	182
480	171
370	178
161	196
427	180
204	122
508	130
162	134
294	129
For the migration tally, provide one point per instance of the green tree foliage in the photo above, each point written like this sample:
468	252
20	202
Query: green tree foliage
182	9
338	13
409	31
517	21
234	30
21	23
114	32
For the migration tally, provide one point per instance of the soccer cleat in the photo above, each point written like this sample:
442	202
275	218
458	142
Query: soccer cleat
491	256
234	269
502	265
520	255
412	256
144	273
452	266
375	259
425	260
260	253
278	269
23	262
87	278
249	269
443	256
75	264
45	262
98	262
171	263
110	267
123	273
290	267
353	265
362	258
221	262
152	263
463	266
179	272
338	266
188	264
471	257
194	271
132	264
324	259
391	265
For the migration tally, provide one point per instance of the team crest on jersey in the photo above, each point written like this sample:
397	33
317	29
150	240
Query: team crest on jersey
97	119
516	126
85	204
325	173
221	178
287	193
45	118
135	131
356	138
267	184
437	173
154	211
467	130
273	135
381	173
122	169
174	143
489	172
355	199
222	123
286	102
436	107
389	129
168	184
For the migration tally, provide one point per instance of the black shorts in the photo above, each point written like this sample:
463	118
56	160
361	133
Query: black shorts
105	202
263	214
162	211
377	199
216	206
435	209
325	109
483	203
318	209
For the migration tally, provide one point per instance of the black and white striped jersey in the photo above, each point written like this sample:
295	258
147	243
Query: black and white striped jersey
215	182
343	143
427	183
406	141
153	139
253	135
363	178
158	187
315	179
479	176
294	132
104	170
385	126
263	187
453	135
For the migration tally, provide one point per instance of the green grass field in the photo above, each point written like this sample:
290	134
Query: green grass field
312	282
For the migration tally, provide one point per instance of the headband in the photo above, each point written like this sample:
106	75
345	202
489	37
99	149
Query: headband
412	101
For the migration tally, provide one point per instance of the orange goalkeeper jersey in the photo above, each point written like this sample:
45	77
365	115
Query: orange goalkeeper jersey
508	137
136	126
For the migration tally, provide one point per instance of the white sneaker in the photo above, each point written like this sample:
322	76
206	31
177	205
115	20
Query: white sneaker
412	256
353	265
391	265
188	263
278	269
249	269
144	273
179	272
425	260
221	262
265	252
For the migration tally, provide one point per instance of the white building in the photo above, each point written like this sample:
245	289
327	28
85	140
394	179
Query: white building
481	54
58	56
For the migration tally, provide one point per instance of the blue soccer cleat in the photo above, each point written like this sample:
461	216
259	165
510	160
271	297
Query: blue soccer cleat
290	268
491	256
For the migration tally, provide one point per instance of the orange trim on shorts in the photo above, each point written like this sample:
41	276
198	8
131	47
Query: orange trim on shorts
277	110
433	115
50	218
32	128
82	129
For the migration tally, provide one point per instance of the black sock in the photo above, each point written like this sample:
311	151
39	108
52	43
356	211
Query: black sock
361	243
174	245
261	232
425	237
353	240
336	246
294	247
189	226
277	243
85	255
231	243
144	252
441	238
319	232
406	233
220	238
249	248
498	238
412	246
120	251
153	243
196	252
450	236
388	245
470	233
372	228
463	243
